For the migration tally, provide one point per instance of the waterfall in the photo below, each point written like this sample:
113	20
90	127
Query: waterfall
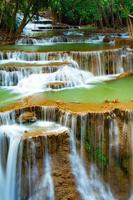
51	40
11	169
45	186
7	117
13	133
114	135
2	184
102	62
31	56
68	76
11	78
97	126
47	182
90	187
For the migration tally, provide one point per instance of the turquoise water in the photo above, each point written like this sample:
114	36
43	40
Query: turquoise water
7	97
98	93
57	47
118	89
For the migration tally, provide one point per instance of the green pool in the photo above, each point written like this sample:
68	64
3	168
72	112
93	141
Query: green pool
7	97
98	93
117	89
57	47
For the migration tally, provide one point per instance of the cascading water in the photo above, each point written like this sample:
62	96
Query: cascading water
29	80
104	62
13	135
52	40
7	117
26	57
98	62
114	135
89	186
12	78
45	189
69	76
89	183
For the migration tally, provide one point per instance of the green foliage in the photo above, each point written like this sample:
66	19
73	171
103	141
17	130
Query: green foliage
92	11
97	153
10	8
102	13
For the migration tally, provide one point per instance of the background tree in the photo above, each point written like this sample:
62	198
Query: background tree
9	10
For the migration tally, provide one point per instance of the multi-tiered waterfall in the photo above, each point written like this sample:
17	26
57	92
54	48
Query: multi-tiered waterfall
102	138
20	68
56	152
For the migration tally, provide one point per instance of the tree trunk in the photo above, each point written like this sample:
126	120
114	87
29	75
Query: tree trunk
130	28
13	26
21	27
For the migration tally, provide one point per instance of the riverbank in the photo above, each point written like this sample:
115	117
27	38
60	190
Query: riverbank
34	101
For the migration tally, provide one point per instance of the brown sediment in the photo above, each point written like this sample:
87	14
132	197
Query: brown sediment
121	76
25	65
72	106
39	132
124	75
124	42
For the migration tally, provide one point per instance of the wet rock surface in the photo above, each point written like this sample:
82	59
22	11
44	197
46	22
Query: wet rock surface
58	148
56	85
27	117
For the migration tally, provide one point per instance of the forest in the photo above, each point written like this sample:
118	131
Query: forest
100	13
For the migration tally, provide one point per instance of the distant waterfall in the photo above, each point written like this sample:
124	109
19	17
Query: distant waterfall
51	40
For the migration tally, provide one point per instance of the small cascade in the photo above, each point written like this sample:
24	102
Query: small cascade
48	181
104	62
114	135
45	189
7	117
11	169
11	78
89	186
68	76
12	134
2	184
99	63
52	40
6	57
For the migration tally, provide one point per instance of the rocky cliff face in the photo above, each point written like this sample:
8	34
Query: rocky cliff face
102	138
33	158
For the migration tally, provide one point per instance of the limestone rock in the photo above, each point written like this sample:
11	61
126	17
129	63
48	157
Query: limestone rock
107	39
27	117
56	85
